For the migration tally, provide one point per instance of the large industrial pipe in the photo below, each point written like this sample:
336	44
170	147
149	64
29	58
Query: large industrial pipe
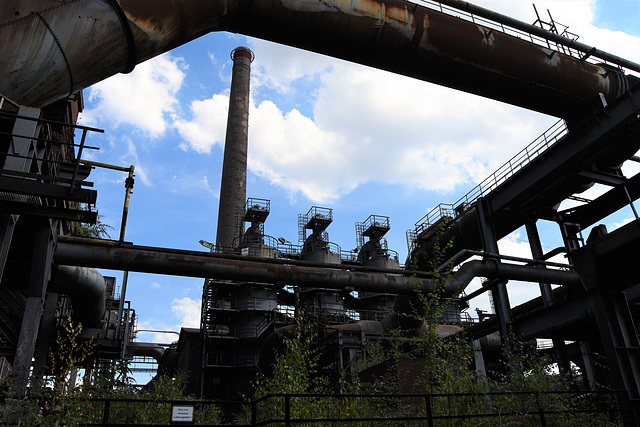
201	264
50	51
86	288
492	269
233	188
403	315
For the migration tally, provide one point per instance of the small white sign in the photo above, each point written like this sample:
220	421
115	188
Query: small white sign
182	414
244	251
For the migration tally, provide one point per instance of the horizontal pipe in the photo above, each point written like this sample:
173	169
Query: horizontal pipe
406	305
146	349
201	264
541	32
49	52
493	269
284	261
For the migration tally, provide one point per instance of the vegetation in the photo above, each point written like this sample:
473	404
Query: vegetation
425	363
99	230
57	400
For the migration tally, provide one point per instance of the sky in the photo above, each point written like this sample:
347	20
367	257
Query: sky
322	132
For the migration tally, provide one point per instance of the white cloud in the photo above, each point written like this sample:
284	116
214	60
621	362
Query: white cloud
188	312
277	66
186	184
372	126
207	127
142	98
130	156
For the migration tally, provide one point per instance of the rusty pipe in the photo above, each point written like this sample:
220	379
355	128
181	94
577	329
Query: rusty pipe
128	185
201	264
51	51
587	50
86	288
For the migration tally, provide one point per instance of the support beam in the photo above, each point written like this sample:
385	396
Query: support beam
43	248
499	293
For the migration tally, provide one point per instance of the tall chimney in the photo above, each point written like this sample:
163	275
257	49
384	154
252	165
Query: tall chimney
233	189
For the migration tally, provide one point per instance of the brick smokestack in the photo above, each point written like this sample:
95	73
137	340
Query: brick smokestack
233	189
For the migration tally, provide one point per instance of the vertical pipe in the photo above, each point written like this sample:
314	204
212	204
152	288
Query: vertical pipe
128	185
125	275
233	188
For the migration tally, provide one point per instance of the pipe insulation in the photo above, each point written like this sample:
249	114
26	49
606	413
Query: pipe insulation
52	49
87	290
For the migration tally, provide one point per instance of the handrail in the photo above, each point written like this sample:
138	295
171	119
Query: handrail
537	35
502	174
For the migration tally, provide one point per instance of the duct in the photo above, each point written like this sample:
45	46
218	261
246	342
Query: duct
205	265
216	255
86	288
53	51
407	305
146	349
541	32
493	269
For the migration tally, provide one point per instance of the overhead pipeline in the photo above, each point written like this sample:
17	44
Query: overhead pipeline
52	49
201	264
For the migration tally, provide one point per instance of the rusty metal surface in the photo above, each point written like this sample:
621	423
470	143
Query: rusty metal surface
201	264
90	44
233	187
52	49
415	41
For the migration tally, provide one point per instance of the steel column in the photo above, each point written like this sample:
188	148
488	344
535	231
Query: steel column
45	333
7	225
43	248
620	341
547	295
499	293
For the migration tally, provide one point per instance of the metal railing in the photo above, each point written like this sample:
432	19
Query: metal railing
502	174
546	42
527	407
535	408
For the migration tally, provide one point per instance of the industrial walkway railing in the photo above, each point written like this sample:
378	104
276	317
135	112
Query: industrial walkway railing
551	35
431	409
503	173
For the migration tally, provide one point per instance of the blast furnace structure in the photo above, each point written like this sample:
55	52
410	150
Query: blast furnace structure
255	285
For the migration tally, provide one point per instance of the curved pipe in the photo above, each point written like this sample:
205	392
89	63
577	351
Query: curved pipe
56	50
87	290
146	349
493	269
403	315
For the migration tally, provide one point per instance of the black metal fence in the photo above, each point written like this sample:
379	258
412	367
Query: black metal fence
539	408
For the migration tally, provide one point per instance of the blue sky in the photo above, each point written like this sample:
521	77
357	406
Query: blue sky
322	132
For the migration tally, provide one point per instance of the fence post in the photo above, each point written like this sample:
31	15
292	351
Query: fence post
254	415
427	403
287	410
105	415
543	421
